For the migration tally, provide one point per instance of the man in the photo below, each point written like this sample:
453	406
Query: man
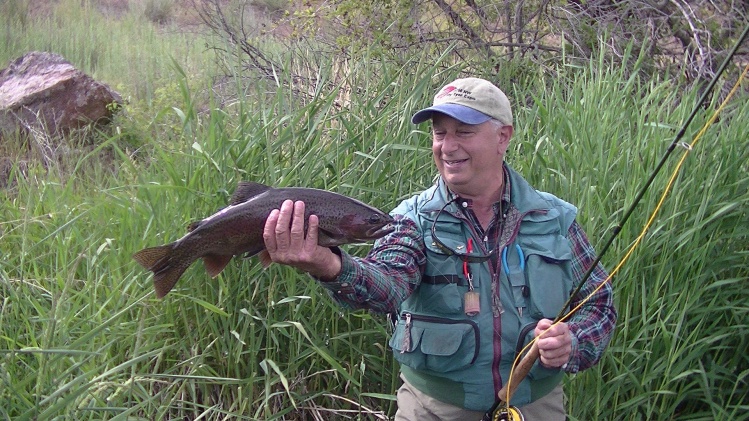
476	267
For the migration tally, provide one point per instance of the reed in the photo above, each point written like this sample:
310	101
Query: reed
83	337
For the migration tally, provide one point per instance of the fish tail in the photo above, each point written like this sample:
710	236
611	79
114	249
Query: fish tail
150	258
166	268
164	281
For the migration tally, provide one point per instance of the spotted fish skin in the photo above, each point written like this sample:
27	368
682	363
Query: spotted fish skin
238	230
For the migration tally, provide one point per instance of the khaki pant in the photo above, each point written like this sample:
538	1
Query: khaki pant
413	405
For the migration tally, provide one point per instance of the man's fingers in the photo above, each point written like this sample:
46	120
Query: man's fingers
554	357
541	328
545	329
297	225
312	232
287	241
282	226
553	353
269	231
554	343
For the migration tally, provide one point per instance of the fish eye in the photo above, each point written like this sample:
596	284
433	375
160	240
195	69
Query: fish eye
373	219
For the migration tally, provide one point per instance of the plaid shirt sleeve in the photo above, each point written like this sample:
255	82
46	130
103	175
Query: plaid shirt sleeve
593	324
392	271
387	276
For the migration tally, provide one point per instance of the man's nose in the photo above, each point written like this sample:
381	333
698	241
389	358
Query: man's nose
449	143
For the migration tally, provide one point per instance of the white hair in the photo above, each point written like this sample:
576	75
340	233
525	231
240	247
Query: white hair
498	124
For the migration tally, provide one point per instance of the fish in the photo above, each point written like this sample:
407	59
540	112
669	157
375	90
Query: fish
238	230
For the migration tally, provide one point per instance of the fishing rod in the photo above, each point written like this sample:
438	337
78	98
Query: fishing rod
526	363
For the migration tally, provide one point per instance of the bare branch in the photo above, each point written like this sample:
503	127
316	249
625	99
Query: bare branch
464	27
212	14
696	33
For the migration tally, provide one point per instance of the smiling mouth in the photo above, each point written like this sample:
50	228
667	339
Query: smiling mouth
453	161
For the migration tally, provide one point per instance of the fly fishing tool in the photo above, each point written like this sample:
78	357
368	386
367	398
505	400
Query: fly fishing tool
502	410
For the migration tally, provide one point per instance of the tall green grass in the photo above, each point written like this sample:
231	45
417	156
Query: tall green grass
83	337
128	52
682	298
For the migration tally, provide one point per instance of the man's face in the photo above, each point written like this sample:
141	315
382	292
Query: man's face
469	157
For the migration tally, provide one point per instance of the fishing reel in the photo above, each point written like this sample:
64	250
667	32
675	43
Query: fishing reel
508	413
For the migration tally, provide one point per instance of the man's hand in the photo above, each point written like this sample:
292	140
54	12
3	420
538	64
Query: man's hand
286	242
554	346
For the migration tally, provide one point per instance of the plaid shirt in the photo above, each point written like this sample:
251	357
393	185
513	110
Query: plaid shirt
392	271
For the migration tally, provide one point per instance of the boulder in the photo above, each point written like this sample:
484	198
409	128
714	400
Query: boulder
43	91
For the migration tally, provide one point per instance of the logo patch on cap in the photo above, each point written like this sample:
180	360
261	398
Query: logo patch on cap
446	91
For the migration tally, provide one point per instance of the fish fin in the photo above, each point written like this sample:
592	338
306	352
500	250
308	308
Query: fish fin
194	225
252	251
159	261
265	259
150	257
246	190
215	263
327	239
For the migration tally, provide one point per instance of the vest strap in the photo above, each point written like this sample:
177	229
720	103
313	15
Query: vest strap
444	279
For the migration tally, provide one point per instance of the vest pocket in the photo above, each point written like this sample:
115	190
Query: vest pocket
443	285
548	283
433	343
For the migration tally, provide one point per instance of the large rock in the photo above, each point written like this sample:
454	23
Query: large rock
43	91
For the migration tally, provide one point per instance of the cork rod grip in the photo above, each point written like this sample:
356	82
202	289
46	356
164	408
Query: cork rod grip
519	373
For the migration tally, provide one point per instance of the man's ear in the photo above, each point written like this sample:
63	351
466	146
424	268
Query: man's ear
505	134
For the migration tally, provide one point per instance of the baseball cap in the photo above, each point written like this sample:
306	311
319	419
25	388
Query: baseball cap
471	100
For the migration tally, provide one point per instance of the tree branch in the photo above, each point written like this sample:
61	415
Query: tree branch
464	27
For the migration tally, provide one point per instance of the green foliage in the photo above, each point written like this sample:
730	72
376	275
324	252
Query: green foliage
680	297
14	13
82	337
139	122
380	25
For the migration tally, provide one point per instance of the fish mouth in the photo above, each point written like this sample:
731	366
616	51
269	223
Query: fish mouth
378	232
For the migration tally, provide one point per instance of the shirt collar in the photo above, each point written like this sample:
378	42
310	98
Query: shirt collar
504	200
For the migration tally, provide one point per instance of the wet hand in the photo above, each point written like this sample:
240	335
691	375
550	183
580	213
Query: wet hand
287	243
555	346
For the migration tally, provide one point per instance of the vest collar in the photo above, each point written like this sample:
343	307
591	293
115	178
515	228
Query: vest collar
524	197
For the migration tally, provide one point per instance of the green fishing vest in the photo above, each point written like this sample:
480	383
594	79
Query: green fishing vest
451	356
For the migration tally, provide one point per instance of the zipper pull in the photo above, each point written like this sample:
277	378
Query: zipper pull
407	335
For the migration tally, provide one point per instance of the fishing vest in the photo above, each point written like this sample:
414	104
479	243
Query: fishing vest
456	358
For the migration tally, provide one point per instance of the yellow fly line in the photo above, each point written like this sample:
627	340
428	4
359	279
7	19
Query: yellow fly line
687	148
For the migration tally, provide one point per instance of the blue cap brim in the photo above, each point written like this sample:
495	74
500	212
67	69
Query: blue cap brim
459	112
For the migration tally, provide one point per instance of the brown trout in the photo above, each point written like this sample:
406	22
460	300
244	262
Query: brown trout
238	229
